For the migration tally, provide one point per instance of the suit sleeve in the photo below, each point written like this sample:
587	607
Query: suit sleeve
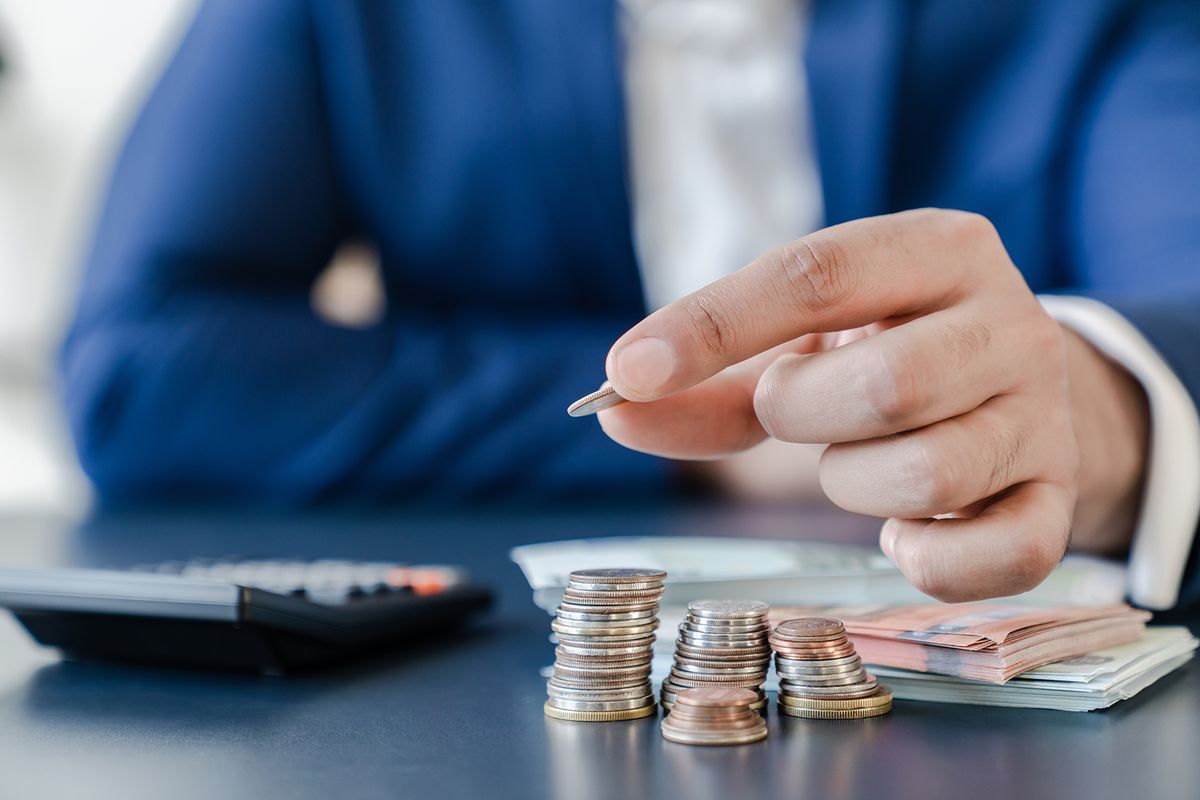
1134	195
195	365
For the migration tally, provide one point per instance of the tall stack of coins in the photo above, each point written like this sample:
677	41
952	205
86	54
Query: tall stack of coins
605	630
722	644
715	716
820	674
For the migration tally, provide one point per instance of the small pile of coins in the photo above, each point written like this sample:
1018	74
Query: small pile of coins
722	644
820	674
715	717
605	630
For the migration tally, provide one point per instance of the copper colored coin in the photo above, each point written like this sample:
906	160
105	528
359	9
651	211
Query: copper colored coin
796	644
810	626
720	698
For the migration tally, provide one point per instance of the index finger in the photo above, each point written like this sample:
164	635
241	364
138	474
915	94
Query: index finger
841	277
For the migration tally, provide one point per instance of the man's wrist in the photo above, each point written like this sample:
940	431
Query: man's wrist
1112	425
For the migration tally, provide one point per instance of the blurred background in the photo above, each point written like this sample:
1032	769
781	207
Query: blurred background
73	74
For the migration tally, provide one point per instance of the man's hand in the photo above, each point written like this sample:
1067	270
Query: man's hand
913	345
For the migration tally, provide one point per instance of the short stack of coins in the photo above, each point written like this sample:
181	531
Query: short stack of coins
605	630
722	644
715	717
820	674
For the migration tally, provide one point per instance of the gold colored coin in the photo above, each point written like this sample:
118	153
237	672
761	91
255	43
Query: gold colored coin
599	716
834	713
880	698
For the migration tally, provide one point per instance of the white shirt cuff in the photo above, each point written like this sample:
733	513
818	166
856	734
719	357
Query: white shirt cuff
1170	509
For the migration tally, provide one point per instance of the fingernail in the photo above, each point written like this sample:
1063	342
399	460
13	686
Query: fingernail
887	538
645	365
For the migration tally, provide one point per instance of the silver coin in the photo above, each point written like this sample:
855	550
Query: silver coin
608	608
632	659
595	639
727	624
577	693
615	588
620	602
741	640
763	664
602	616
604	651
604	397
686	667
853	690
800	664
633	589
824	680
590	672
598	624
727	630
601	705
835	672
728	609
592	629
617	574
605	688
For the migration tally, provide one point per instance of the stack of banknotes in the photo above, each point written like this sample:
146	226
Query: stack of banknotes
992	642
1084	683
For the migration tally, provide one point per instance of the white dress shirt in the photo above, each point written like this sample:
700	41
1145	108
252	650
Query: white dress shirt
724	168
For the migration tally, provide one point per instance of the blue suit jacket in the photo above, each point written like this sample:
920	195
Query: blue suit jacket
480	145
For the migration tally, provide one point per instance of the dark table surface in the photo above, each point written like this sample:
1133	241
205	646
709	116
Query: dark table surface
464	718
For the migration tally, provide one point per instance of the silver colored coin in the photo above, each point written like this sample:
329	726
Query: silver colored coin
607	689
601	705
603	616
602	673
728	609
589	624
834	672
823	680
802	665
593	695
639	586
604	397
853	690
761	664
722	653
634	659
620	601
727	630
728	639
597	639
686	667
603	651
723	621
608	608
610	630
617	575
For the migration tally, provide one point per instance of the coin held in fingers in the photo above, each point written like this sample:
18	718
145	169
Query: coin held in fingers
604	397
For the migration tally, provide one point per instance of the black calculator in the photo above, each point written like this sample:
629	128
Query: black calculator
272	616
